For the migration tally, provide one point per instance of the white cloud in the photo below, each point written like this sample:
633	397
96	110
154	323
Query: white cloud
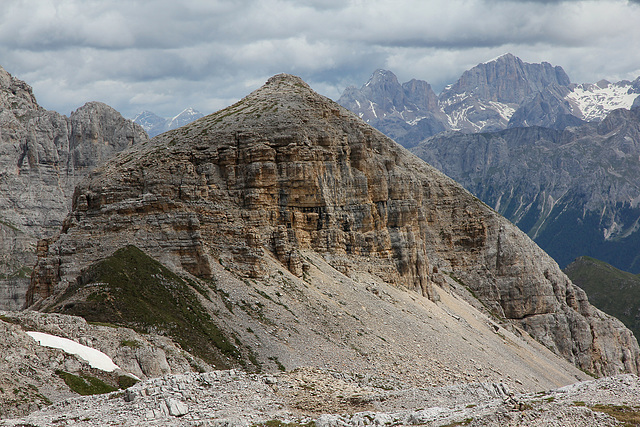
165	55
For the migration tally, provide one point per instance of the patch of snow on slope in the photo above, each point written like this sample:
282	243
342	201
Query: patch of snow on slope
595	101
95	358
373	109
505	110
459	117
415	121
495	59
455	98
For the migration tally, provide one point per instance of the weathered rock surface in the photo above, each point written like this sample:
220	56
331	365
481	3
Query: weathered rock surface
286	172
28	379
328	398
43	155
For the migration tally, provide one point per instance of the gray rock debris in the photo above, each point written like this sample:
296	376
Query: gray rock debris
235	398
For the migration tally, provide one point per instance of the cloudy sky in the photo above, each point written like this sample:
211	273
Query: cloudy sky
166	55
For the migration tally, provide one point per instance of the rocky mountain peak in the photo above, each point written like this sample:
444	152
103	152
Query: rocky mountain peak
382	80
507	79
398	110
155	125
43	155
287	184
285	80
15	94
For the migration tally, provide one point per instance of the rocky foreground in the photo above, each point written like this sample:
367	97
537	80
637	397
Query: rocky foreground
314	397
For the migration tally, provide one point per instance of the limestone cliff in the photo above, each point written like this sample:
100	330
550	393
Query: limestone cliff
286	174
43	155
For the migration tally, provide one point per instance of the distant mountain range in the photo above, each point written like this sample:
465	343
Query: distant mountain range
574	191
155	125
499	94
560	160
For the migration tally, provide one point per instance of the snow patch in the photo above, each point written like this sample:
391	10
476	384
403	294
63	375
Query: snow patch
495	59
505	110
373	109
596	101
95	358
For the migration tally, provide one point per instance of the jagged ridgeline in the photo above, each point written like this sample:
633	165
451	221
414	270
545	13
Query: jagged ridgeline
286	187
43	155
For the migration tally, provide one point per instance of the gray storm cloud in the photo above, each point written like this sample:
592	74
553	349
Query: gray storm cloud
166	55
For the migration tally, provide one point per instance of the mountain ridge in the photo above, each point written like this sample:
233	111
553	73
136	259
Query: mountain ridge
493	95
155	125
43	155
574	191
286	177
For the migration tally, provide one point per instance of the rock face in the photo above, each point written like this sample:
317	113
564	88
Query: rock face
29	379
485	97
504	92
286	175
575	192
43	155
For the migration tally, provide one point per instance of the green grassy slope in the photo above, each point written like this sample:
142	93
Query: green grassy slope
613	291
132	289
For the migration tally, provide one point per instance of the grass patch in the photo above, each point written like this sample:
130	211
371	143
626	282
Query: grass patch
125	381
11	226
129	343
9	320
280	366
625	414
85	385
613	291
278	423
132	289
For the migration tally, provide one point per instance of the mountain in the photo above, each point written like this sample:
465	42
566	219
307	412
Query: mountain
485	97
43	155
575	192
185	117
402	112
151	123
501	93
155	125
612	290
562	106
284	234
305	230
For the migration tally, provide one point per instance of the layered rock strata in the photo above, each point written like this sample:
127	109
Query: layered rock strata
286	171
43	155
